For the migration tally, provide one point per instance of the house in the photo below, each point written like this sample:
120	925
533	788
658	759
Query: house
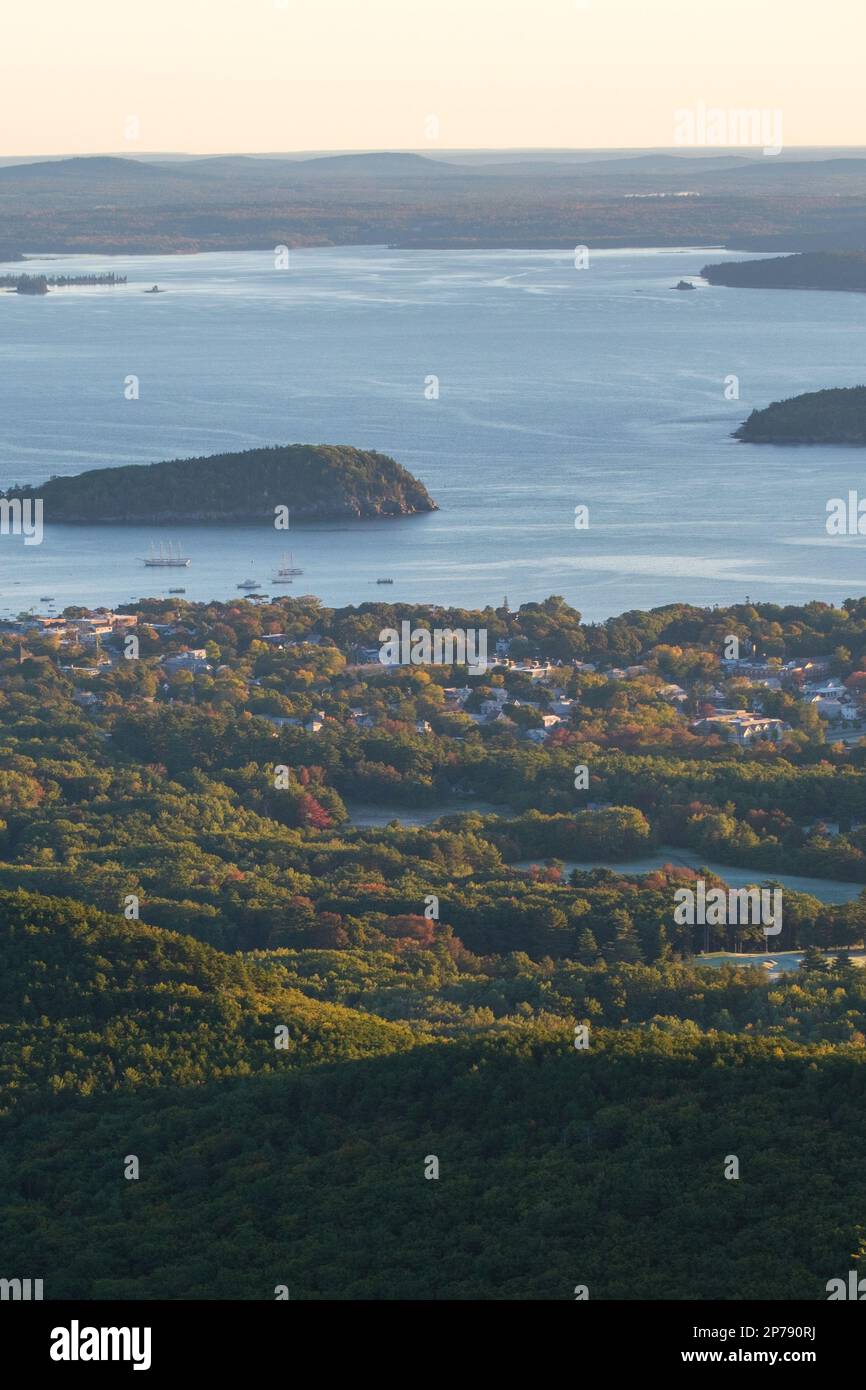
829	689
753	670
193	661
488	707
830	708
536	670
361	720
806	667
741	727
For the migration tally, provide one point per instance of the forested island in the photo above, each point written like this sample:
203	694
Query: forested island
286	1015
312	480
41	284
813	270
833	416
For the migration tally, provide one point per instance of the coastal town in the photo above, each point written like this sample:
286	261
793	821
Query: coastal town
732	699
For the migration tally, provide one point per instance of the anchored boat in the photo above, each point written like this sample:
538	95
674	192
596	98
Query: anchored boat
286	571
165	560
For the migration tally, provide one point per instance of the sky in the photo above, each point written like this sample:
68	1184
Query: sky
233	76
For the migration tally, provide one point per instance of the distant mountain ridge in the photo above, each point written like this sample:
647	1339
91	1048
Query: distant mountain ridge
117	204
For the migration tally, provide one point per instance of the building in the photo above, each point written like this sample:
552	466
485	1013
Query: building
741	728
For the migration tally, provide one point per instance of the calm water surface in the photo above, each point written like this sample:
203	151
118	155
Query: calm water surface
557	387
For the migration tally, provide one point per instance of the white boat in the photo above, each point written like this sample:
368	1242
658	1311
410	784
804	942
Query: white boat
165	560
249	584
286	571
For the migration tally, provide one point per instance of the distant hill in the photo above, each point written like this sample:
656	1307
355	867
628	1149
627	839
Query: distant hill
836	416
814	270
187	1013
111	204
313	480
81	168
397	165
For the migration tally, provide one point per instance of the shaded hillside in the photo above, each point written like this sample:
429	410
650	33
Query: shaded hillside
557	1168
814	270
835	416
92	1003
311	480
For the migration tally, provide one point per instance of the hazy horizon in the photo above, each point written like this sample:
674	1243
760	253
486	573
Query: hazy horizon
579	154
588	74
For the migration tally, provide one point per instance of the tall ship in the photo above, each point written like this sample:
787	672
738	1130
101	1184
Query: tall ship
287	571
165	560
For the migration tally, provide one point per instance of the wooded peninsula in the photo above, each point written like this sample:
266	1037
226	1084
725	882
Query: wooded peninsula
41	284
814	270
835	416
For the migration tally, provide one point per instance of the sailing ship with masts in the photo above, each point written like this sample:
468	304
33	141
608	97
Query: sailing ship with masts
163	559
287	570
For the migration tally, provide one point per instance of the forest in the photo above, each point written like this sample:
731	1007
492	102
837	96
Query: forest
812	270
41	284
284	1014
834	416
312	480
691	198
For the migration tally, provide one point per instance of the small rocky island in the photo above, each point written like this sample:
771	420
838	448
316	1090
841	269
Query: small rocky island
313	480
812	270
835	416
683	285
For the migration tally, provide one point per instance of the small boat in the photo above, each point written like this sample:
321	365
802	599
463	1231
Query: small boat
286	570
384	581
46	599
165	560
177	591
249	584
155	290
